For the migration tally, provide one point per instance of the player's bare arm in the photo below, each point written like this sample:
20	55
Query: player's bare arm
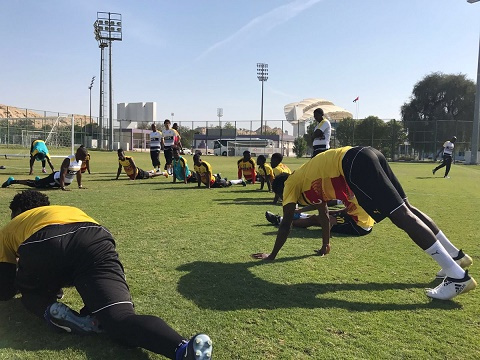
282	234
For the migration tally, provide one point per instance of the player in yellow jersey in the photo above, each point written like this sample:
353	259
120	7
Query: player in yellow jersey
246	167
205	175
264	173
131	169
278	169
349	221
61	246
361	176
69	169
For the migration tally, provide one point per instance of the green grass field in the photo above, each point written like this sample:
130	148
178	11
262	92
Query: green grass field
186	253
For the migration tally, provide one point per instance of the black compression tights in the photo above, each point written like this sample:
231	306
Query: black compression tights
145	331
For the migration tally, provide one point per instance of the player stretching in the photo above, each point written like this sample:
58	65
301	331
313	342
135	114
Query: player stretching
132	171
362	176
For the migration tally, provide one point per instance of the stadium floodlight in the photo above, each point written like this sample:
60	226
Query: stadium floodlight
107	28
90	88
220	114
262	75
476	115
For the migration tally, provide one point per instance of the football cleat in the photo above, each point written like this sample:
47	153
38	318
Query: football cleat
61	317
433	171
44	170
198	347
450	287
244	183
461	259
272	218
8	182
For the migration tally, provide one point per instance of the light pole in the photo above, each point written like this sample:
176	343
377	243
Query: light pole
220	114
90	88
172	114
108	28
262	75
476	115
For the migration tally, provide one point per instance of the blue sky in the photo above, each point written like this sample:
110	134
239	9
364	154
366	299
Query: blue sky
192	56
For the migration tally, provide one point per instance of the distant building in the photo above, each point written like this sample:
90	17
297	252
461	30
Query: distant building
299	114
130	114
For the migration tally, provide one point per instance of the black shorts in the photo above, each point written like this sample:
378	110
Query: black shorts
372	181
168	153
47	182
79	254
346	225
142	174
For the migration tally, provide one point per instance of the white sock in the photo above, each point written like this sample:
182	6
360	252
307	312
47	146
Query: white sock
441	256
451	249
236	182
304	215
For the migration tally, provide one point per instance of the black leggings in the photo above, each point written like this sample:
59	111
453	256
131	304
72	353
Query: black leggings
146	331
447	163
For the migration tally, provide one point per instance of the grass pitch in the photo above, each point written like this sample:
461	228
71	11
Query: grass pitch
186	253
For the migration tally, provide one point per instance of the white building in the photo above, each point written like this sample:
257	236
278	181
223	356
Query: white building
299	114
129	114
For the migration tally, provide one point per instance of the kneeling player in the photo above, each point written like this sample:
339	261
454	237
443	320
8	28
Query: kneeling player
82	254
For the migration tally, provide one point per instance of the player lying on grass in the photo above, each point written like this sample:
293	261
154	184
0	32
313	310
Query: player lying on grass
362	176
132	171
59	246
69	169
205	175
349	221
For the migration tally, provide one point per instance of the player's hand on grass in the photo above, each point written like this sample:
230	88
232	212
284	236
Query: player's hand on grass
262	256
324	250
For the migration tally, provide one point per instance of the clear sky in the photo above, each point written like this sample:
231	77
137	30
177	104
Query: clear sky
192	57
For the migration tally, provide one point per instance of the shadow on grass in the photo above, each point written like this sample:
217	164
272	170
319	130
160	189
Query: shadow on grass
233	287
21	330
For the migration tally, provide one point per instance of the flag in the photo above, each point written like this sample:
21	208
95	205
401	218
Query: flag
356	99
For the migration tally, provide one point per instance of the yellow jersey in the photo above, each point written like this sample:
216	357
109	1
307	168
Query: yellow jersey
268	171
129	169
202	169
22	226
280	169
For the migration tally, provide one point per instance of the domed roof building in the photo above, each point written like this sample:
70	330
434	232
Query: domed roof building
299	114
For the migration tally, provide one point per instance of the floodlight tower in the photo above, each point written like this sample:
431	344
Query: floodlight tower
90	88
108	28
262	75
476	115
220	114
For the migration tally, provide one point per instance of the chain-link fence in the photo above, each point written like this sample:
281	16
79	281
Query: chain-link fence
420	141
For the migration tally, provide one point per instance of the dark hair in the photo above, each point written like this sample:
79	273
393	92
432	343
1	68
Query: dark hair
278	183
83	150
246	152
28	199
318	113
196	157
166	121
120	150
261	158
175	126
277	156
